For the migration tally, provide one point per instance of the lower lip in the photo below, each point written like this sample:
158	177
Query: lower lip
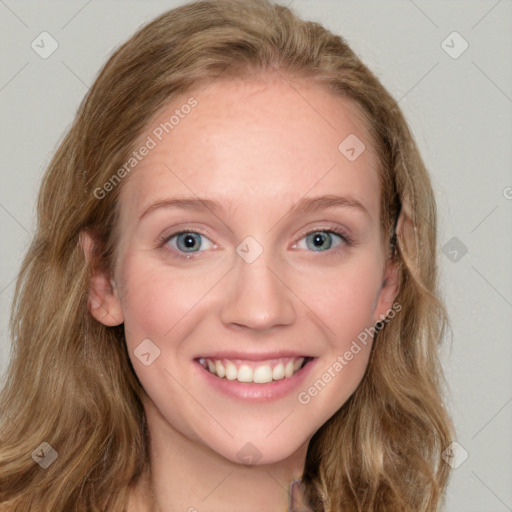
253	391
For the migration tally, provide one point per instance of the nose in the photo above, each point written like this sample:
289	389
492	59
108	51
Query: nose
257	296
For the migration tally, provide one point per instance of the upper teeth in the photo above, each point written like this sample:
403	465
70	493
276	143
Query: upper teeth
259	373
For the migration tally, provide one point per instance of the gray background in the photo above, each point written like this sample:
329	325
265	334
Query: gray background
460	110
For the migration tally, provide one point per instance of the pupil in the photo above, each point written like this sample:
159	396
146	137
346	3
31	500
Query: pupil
188	241
320	241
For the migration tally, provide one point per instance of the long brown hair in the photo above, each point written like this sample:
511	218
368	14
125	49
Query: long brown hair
70	383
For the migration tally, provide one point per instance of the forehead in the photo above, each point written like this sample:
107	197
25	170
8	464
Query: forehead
251	141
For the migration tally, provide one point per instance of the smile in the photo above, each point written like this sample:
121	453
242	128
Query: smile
259	372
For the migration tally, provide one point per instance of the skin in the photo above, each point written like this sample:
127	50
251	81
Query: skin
257	147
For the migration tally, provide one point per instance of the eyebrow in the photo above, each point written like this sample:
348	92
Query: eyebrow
313	204
304	205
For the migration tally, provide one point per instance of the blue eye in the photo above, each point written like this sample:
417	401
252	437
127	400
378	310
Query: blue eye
184	244
189	242
320	241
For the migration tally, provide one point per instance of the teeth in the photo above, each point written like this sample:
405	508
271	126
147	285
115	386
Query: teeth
244	374
261	374
219	369
231	371
278	372
288	369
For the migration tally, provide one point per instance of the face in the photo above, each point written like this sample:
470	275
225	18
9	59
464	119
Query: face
250	259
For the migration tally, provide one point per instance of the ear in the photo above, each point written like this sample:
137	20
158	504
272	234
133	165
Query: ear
103	301
390	281
388	291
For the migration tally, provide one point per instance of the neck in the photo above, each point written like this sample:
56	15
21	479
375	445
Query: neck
186	475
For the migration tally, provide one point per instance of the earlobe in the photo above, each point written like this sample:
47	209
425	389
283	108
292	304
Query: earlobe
103	301
104	305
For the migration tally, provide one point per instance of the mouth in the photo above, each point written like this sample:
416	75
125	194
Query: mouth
255	372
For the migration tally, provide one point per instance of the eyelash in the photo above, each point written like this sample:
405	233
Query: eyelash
346	239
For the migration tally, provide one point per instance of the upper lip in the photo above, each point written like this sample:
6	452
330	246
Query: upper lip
252	356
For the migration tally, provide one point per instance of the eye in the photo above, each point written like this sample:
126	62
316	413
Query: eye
320	241
184	244
189	242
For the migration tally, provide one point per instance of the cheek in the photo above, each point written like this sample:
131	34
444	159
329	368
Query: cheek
343	297
155	299
160	305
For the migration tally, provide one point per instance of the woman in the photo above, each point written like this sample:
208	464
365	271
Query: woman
231	298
